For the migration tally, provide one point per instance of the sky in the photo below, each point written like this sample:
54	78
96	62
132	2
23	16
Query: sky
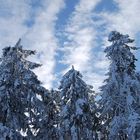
68	32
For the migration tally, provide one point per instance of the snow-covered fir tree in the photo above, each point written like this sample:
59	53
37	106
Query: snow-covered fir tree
76	121
19	86
121	93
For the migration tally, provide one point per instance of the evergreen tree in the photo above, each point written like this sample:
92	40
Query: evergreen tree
120	94
19	86
75	116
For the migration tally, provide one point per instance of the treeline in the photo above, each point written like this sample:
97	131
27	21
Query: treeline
28	111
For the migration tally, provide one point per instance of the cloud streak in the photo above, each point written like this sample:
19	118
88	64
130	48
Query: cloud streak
81	37
83	33
12	17
40	36
84	37
125	20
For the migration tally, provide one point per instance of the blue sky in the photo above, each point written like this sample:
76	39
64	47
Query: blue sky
68	32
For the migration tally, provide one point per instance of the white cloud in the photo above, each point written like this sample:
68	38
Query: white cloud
126	19
40	36
12	17
81	35
81	48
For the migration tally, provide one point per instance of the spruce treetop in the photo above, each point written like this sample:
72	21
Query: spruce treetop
120	54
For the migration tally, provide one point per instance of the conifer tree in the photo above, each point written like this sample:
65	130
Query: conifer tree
75	116
120	94
19	86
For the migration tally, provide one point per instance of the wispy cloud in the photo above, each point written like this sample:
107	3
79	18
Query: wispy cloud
40	36
125	20
87	30
86	33
12	17
81	41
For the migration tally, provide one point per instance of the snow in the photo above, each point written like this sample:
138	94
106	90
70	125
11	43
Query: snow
79	105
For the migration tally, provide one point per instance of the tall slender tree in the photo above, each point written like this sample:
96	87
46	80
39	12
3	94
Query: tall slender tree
19	86
120	94
75	116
